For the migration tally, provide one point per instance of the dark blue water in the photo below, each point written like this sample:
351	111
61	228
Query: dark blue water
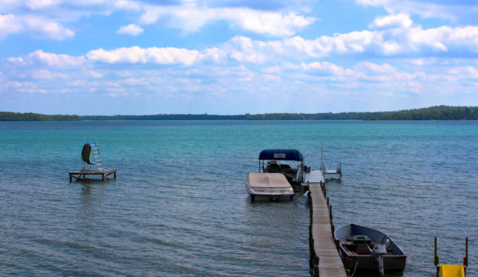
179	205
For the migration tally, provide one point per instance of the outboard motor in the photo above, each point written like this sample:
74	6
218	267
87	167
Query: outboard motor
379	250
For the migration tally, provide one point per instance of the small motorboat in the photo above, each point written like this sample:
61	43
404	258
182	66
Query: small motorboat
365	249
269	187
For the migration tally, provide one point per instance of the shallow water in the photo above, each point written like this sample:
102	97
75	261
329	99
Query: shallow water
179	205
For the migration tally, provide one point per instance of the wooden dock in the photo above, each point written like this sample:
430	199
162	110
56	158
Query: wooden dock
324	256
82	174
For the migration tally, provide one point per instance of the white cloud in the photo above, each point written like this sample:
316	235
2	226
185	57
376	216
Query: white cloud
54	6
405	42
396	20
25	87
9	24
39	26
445	9
46	18
49	59
327	68
95	74
130	29
131	55
373	68
271	78
464	72
272	70
39	4
267	22
46	74
243	49
168	55
191	18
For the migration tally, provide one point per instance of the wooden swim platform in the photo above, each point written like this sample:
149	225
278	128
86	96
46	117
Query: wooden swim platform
324	256
82	174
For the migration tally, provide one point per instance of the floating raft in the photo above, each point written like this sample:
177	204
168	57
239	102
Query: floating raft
324	256
82	174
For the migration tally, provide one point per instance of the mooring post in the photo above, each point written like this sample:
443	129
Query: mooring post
465	259
437	260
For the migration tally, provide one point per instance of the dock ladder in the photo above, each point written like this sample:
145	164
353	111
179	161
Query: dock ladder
95	151
326	172
451	270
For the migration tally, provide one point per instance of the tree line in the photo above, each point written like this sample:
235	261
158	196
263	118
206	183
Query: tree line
164	117
316	116
10	116
431	113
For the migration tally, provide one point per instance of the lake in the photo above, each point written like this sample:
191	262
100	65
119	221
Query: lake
179	205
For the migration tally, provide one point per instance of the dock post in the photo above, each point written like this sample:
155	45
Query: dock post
330	214
311	210
437	260
312	253
316	265
71	179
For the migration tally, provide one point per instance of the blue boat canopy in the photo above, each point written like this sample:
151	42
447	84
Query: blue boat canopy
281	154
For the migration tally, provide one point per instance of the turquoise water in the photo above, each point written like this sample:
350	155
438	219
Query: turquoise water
179	205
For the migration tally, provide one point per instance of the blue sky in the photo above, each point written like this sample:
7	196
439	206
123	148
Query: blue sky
106	57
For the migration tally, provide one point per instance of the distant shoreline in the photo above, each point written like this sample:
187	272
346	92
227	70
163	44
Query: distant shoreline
431	113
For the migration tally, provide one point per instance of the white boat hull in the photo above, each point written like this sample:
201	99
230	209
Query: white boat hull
266	194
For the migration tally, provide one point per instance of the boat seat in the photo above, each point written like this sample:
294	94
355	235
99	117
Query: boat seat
362	249
452	270
273	168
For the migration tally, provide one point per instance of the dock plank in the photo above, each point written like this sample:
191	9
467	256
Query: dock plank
330	264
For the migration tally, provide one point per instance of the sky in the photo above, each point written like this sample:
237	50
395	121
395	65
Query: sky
134	57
